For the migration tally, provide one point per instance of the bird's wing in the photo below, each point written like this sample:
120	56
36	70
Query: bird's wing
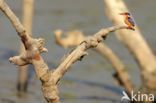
131	21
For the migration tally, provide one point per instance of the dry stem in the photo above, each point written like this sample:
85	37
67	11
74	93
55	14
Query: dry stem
34	47
74	38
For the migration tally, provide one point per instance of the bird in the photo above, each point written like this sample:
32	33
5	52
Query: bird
128	20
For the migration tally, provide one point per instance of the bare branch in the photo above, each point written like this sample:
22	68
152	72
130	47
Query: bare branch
71	39
12	17
80	51
121	74
32	55
34	47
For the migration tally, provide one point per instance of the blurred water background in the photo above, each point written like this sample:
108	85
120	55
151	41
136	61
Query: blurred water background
89	81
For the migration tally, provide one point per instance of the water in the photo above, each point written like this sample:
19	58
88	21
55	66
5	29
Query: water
89	81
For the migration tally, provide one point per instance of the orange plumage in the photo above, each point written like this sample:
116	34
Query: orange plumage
128	20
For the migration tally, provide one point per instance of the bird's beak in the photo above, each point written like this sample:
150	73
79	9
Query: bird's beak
121	13
126	13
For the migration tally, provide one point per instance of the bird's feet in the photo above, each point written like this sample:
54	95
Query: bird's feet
132	28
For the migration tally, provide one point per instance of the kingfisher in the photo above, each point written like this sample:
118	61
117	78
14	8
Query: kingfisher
128	20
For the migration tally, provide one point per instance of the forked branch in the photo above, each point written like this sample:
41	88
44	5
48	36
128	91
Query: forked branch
34	47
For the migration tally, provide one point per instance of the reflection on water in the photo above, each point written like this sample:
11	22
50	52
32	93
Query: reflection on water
89	81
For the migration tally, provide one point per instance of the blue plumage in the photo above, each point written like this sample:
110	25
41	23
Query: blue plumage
131	21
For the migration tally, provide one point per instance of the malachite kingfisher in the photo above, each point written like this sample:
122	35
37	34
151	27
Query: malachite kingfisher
128	20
